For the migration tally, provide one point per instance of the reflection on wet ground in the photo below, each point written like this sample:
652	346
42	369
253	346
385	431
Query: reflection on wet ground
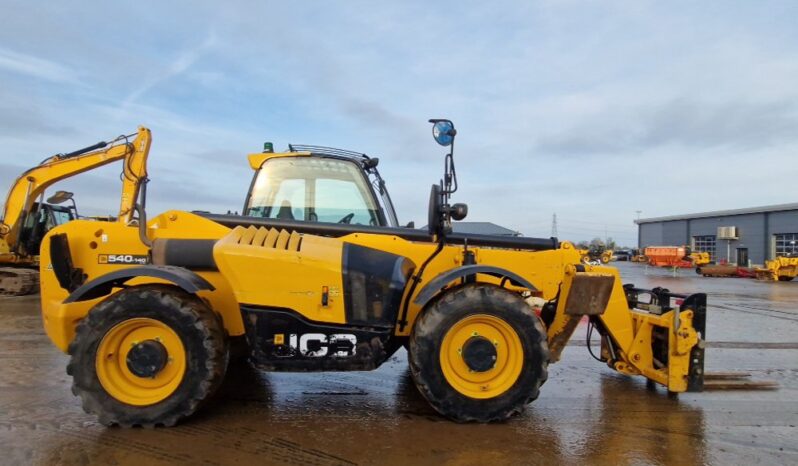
585	413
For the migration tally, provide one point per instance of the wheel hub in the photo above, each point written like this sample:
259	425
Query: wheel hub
479	354
147	359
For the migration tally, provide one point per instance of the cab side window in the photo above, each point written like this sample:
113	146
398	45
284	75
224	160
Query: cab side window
337	200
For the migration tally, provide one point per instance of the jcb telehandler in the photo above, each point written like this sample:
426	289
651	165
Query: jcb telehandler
26	220
317	275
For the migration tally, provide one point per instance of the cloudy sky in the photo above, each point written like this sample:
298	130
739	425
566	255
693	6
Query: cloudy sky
592	109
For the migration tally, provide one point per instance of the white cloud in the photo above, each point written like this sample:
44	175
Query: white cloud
32	66
175	68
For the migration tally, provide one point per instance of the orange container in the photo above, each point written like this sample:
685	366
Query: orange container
667	256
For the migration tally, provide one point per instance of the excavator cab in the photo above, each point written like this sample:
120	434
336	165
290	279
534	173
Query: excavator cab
43	218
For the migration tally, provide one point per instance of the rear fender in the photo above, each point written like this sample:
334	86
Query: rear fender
187	280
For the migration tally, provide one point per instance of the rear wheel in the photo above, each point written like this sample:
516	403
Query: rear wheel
479	353
785	279
148	355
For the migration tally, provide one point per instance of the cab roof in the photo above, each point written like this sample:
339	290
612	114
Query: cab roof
256	160
303	150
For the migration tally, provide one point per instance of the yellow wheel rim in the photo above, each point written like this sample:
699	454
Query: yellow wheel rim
114	374
509	357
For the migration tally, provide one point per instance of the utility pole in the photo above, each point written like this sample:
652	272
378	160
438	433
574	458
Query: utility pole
554	225
638	229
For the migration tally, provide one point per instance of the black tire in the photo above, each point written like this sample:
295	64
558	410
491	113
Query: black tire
785	279
200	330
427	339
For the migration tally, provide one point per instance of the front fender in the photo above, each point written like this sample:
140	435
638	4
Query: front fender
104	284
436	284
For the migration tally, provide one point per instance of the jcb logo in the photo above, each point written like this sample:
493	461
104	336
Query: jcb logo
317	345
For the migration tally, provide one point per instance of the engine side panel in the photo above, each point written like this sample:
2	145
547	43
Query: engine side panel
270	269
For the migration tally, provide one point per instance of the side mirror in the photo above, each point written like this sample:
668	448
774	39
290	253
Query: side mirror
443	131
60	197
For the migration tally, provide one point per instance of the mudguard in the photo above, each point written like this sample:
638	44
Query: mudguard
437	283
101	286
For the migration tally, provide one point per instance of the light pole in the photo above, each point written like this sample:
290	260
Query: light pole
638	228
792	248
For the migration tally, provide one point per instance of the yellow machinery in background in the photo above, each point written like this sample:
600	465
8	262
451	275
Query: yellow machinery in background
639	256
782	269
590	255
699	258
318	275
27	218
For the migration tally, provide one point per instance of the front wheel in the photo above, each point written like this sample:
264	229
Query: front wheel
147	356
479	353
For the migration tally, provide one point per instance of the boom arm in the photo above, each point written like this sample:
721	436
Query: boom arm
33	182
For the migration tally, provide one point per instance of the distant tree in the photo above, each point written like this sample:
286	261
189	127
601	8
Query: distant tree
596	245
583	245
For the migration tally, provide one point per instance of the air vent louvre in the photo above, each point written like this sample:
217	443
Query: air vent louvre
271	238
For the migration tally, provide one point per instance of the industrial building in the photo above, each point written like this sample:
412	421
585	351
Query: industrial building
740	236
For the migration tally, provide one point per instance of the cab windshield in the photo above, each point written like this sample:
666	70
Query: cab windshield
313	189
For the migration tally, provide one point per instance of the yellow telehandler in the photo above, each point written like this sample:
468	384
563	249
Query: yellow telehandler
318	275
27	218
597	255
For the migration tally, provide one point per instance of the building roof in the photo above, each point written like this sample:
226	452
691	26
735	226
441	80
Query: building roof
481	228
722	213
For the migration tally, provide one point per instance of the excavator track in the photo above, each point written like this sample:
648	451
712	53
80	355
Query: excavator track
18	281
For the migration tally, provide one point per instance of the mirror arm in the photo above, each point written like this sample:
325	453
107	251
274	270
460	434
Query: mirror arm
75	207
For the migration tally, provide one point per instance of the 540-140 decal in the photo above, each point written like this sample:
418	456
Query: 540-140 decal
116	259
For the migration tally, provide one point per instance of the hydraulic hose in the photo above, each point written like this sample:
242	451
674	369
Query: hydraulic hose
416	279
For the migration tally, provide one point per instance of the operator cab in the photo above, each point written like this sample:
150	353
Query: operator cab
319	184
43	218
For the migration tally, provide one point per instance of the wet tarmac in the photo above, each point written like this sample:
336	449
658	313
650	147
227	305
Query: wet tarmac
586	412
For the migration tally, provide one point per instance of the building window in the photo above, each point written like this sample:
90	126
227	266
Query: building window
705	244
786	244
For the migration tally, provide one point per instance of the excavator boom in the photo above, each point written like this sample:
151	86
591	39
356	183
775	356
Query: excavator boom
15	248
